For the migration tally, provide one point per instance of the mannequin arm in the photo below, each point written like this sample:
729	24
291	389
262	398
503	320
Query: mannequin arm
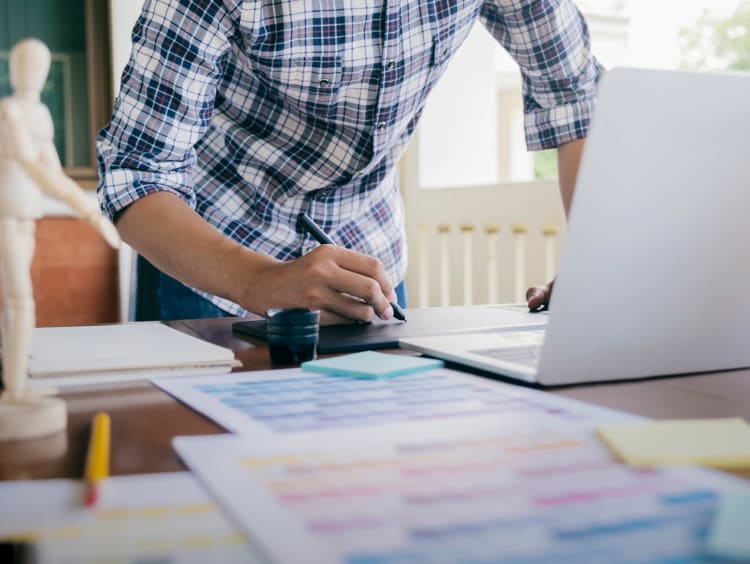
45	170
48	174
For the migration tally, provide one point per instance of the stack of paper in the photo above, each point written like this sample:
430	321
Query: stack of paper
130	351
442	466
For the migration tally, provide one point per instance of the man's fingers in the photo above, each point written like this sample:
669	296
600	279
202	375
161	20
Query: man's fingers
366	266
330	318
352	274
348	307
538	297
365	289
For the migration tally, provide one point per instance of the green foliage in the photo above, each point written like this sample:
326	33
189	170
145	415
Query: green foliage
718	43
545	164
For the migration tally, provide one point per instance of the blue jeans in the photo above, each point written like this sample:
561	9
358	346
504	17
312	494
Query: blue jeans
177	301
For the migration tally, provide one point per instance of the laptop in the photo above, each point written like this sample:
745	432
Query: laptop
654	271
427	321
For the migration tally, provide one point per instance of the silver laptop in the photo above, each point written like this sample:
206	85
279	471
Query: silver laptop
654	275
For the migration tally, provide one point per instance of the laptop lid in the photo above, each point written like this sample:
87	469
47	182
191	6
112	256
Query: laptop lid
655	264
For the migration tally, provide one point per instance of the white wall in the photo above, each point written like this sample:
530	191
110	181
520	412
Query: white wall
469	155
123	14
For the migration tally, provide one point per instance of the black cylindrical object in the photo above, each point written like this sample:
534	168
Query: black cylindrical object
292	335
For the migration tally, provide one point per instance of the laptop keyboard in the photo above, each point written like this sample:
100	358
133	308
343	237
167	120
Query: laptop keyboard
527	355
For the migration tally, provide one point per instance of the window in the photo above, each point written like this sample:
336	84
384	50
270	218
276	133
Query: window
471	133
78	91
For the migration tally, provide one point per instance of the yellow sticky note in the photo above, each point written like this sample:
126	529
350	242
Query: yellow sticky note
721	443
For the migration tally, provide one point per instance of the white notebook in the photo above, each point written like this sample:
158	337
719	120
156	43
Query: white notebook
127	351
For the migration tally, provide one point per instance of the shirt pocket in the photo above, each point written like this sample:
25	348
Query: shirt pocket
311	83
452	23
441	52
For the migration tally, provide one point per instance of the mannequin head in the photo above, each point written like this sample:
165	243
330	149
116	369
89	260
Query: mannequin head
29	66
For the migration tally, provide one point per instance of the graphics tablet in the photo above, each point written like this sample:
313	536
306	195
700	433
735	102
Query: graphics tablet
421	322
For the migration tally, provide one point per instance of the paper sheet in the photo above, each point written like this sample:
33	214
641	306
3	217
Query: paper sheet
513	490
729	536
141	518
292	400
722	443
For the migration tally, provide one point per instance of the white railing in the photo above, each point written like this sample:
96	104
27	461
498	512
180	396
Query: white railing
479	244
479	264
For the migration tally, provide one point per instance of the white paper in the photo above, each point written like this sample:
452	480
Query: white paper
515	489
294	400
107	378
139	518
131	351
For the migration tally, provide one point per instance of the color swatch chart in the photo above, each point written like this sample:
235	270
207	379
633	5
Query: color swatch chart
293	400
469	492
154	518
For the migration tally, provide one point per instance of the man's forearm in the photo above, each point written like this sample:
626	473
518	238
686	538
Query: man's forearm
568	161
172	236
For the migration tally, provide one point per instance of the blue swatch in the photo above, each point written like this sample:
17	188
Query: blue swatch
372	365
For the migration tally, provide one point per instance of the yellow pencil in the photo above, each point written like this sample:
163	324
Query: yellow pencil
97	458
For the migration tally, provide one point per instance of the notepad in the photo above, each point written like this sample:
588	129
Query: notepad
728	536
372	365
62	356
721	443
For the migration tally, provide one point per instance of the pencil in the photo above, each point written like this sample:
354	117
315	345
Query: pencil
97	458
324	239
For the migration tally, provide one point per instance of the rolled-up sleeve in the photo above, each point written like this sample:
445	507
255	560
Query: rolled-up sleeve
550	41
165	103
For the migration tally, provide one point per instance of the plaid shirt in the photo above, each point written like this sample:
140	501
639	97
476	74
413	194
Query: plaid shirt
253	112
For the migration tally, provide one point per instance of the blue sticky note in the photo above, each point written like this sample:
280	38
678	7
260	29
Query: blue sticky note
728	536
372	365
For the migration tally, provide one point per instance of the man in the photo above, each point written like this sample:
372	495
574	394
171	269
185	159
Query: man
234	117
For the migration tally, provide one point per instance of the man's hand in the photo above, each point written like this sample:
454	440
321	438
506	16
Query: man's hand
346	286
538	297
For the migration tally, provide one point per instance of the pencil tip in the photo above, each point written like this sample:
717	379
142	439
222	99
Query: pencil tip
398	313
92	496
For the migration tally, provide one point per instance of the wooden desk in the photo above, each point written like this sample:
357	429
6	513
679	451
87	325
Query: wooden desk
145	419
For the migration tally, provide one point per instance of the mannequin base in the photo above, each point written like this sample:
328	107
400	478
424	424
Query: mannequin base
32	417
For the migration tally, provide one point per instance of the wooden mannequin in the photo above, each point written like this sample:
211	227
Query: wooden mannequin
29	168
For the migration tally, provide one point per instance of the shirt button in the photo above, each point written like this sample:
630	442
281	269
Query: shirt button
381	126
324	82
323	193
390	65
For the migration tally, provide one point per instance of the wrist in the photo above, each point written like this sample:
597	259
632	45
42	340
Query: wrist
254	281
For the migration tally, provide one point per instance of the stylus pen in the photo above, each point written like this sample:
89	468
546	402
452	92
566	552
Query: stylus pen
322	237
